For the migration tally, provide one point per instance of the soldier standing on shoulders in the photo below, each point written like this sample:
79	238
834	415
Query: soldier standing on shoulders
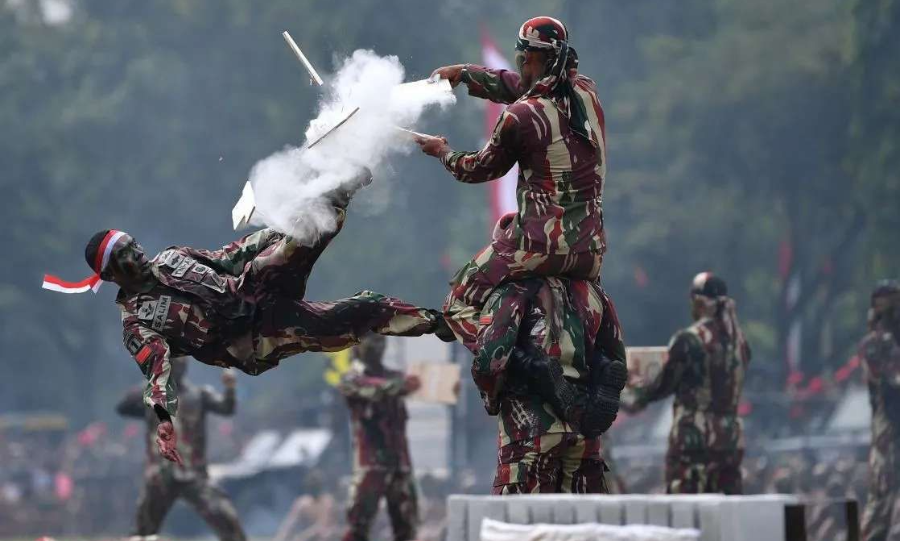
164	481
554	129
705	372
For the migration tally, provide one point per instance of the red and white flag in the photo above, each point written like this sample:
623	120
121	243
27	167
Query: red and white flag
503	190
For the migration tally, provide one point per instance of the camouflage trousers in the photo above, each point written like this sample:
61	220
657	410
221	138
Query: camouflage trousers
715	472
551	464
881	517
473	283
209	501
398	489
287	327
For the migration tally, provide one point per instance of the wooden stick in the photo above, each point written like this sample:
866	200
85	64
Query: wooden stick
309	67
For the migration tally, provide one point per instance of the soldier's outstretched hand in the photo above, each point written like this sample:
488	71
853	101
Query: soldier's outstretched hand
451	73
412	383
431	145
229	380
167	440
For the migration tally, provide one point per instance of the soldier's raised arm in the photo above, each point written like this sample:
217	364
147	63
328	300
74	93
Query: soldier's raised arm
684	348
497	85
151	352
493	161
221	403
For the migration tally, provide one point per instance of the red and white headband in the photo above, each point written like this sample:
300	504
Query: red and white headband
91	283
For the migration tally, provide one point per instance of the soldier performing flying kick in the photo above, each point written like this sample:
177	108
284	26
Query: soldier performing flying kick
240	306
554	129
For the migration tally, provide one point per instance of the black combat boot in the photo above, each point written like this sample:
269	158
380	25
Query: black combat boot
544	376
606	381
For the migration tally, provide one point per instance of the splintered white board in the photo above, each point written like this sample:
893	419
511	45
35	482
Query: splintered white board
243	209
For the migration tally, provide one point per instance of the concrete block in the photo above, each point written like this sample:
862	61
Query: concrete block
586	510
658	512
612	511
457	513
541	509
480	509
517	511
635	511
684	514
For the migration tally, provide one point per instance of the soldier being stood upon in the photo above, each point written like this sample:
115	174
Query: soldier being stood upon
880	352
705	371
381	462
554	129
164	481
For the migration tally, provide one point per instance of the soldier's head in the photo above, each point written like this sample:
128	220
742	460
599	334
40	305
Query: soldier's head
371	349
885	303
179	368
539	44
116	257
707	290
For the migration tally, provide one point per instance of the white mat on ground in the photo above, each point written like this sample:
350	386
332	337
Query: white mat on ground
494	530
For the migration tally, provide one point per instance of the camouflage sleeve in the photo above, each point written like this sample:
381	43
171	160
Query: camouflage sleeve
234	257
132	404
881	367
497	85
371	388
683	349
151	352
222	404
494	160
501	320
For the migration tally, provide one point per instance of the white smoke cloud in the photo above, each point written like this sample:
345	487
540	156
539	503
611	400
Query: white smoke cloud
289	186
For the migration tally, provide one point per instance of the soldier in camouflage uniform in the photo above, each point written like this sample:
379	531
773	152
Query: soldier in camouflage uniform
880	352
165	482
530	325
381	464
570	321
705	371
554	129
240	306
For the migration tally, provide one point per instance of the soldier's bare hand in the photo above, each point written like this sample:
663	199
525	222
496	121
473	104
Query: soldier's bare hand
433	146
167	441
229	380
451	73
412	383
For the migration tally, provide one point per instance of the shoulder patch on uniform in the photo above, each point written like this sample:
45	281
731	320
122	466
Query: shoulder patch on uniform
161	312
183	266
145	312
133	344
142	355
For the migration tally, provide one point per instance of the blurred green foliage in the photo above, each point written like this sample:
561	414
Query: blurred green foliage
734	129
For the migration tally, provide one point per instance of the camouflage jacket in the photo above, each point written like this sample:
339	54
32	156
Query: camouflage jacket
204	297
190	425
706	375
561	175
569	319
881	357
377	417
